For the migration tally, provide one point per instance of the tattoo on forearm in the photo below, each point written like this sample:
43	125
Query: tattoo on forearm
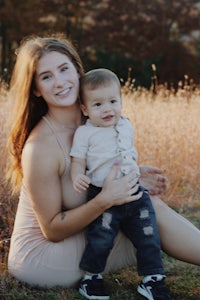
62	215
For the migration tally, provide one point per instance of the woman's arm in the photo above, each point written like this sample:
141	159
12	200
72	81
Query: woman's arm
42	179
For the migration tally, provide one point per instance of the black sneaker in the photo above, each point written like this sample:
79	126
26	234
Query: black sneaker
93	288
154	289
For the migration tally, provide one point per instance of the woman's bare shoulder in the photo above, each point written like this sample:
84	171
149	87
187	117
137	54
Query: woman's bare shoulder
40	149
38	144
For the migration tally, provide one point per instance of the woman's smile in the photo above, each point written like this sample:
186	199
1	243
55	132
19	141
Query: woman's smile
64	92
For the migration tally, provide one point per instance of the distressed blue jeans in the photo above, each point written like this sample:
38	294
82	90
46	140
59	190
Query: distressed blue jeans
137	221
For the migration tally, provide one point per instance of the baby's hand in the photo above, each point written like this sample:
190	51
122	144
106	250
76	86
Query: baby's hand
81	183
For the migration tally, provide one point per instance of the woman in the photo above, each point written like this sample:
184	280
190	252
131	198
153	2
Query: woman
48	236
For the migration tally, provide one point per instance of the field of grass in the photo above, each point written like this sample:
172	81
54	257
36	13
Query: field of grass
167	131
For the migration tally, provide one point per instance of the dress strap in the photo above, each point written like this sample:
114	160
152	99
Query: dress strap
57	139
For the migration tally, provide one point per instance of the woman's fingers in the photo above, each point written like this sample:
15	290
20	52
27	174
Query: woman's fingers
123	190
135	197
132	183
113	173
153	179
134	188
151	170
132	178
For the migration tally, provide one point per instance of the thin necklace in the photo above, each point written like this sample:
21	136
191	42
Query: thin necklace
59	124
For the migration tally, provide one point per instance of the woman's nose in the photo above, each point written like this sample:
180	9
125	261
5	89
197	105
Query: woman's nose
58	80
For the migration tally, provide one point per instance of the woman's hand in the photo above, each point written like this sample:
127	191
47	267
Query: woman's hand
120	191
153	179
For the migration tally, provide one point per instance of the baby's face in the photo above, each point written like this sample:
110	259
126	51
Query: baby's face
103	105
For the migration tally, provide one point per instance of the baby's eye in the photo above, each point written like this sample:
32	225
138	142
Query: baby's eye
113	101
98	104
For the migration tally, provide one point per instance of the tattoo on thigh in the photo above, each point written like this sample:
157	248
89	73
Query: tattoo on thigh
62	215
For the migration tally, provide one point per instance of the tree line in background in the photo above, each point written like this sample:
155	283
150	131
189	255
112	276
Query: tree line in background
115	34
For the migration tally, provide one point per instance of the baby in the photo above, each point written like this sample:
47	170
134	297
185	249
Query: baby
107	138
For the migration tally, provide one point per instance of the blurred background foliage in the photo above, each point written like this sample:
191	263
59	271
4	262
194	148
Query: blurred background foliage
120	35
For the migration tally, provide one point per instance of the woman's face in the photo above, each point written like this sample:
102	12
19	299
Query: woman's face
56	80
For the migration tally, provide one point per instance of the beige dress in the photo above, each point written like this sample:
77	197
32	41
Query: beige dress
35	260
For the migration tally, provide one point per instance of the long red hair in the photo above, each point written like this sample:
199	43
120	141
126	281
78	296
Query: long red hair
27	108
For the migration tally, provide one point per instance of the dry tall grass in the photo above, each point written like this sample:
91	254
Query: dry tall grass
4	115
7	209
167	131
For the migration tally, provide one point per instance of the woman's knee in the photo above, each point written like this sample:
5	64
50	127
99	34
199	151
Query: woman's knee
162	210
158	204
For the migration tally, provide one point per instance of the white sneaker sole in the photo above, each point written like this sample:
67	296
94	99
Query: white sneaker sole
144	293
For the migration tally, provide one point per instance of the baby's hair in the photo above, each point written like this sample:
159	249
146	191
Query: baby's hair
97	78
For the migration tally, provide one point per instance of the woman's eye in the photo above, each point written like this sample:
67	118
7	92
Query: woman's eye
113	101
46	77
64	69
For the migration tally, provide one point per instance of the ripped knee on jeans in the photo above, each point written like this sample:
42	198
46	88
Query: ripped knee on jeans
106	220
148	230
